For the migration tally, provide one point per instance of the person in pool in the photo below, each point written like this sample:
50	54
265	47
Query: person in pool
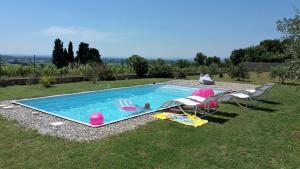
147	106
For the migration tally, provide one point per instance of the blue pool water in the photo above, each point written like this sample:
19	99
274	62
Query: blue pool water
79	106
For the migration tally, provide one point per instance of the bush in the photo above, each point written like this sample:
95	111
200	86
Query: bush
160	69
293	70
213	69
50	70
258	70
182	63
180	75
3	81
47	80
105	73
204	70
239	72
139	64
221	75
280	73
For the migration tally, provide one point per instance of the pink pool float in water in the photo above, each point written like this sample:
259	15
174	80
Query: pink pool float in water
205	93
96	118
126	105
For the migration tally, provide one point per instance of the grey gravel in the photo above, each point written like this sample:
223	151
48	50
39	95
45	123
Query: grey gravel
78	132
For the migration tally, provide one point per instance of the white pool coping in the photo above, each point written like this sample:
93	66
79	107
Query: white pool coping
100	90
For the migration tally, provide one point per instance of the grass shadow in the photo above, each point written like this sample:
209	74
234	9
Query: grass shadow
269	102
226	114
252	107
215	119
292	84
263	109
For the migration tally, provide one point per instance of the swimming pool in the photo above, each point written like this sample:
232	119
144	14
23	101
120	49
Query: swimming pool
78	107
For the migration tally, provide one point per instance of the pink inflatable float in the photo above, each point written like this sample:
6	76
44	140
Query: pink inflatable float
205	93
96	118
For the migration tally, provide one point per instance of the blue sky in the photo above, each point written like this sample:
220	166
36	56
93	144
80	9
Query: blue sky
150	28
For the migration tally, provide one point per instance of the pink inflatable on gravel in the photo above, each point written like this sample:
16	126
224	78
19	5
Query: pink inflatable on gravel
205	93
96	118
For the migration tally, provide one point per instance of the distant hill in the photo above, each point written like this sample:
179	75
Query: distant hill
25	60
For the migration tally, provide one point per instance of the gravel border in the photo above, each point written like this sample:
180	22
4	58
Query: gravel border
78	132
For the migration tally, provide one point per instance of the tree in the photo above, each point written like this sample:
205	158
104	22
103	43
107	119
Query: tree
200	58
237	56
290	27
57	54
64	60
272	45
213	69
139	64
94	55
239	72
255	54
291	31
160	69
70	58
82	53
227	62
182	63
280	73
213	59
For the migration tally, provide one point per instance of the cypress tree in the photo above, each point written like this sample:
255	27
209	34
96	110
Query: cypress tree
94	55
64	59
70	58
57	53
82	53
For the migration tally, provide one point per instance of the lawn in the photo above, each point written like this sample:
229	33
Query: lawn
255	78
27	91
266	137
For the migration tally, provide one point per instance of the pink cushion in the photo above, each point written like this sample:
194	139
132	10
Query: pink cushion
96	118
212	104
205	93
129	108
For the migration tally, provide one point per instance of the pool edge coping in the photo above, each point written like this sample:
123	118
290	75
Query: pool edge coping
100	90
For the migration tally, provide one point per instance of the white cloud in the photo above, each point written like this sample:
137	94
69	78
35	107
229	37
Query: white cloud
58	31
79	34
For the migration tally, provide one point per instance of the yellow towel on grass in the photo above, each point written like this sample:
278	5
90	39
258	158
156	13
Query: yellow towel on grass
190	120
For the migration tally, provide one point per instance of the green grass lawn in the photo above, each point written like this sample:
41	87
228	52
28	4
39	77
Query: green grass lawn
254	78
266	137
26	91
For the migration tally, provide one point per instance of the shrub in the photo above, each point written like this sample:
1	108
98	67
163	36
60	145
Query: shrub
204	70
3	81
31	78
139	64
221	75
239	72
105	73
182	63
293	71
258	70
47	80
280	73
213	69
50	70
180	75
160	69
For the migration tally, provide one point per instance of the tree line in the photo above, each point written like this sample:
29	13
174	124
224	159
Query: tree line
62	57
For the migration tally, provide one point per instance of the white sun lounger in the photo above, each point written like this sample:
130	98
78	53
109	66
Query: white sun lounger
194	102
251	94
